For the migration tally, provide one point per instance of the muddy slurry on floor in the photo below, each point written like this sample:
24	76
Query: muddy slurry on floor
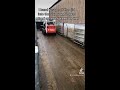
60	63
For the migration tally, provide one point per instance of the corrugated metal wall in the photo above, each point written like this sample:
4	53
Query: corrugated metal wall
71	27
78	5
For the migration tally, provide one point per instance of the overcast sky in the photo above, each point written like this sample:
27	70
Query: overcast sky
43	4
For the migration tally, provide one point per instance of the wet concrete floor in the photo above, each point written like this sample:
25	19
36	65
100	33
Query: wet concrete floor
59	63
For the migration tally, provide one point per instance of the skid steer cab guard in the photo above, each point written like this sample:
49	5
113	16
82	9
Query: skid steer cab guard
49	27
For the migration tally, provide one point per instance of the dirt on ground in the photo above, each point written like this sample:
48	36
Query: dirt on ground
60	63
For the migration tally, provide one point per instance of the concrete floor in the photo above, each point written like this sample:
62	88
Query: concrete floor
59	59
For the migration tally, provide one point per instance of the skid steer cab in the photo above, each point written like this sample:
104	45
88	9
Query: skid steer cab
49	27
